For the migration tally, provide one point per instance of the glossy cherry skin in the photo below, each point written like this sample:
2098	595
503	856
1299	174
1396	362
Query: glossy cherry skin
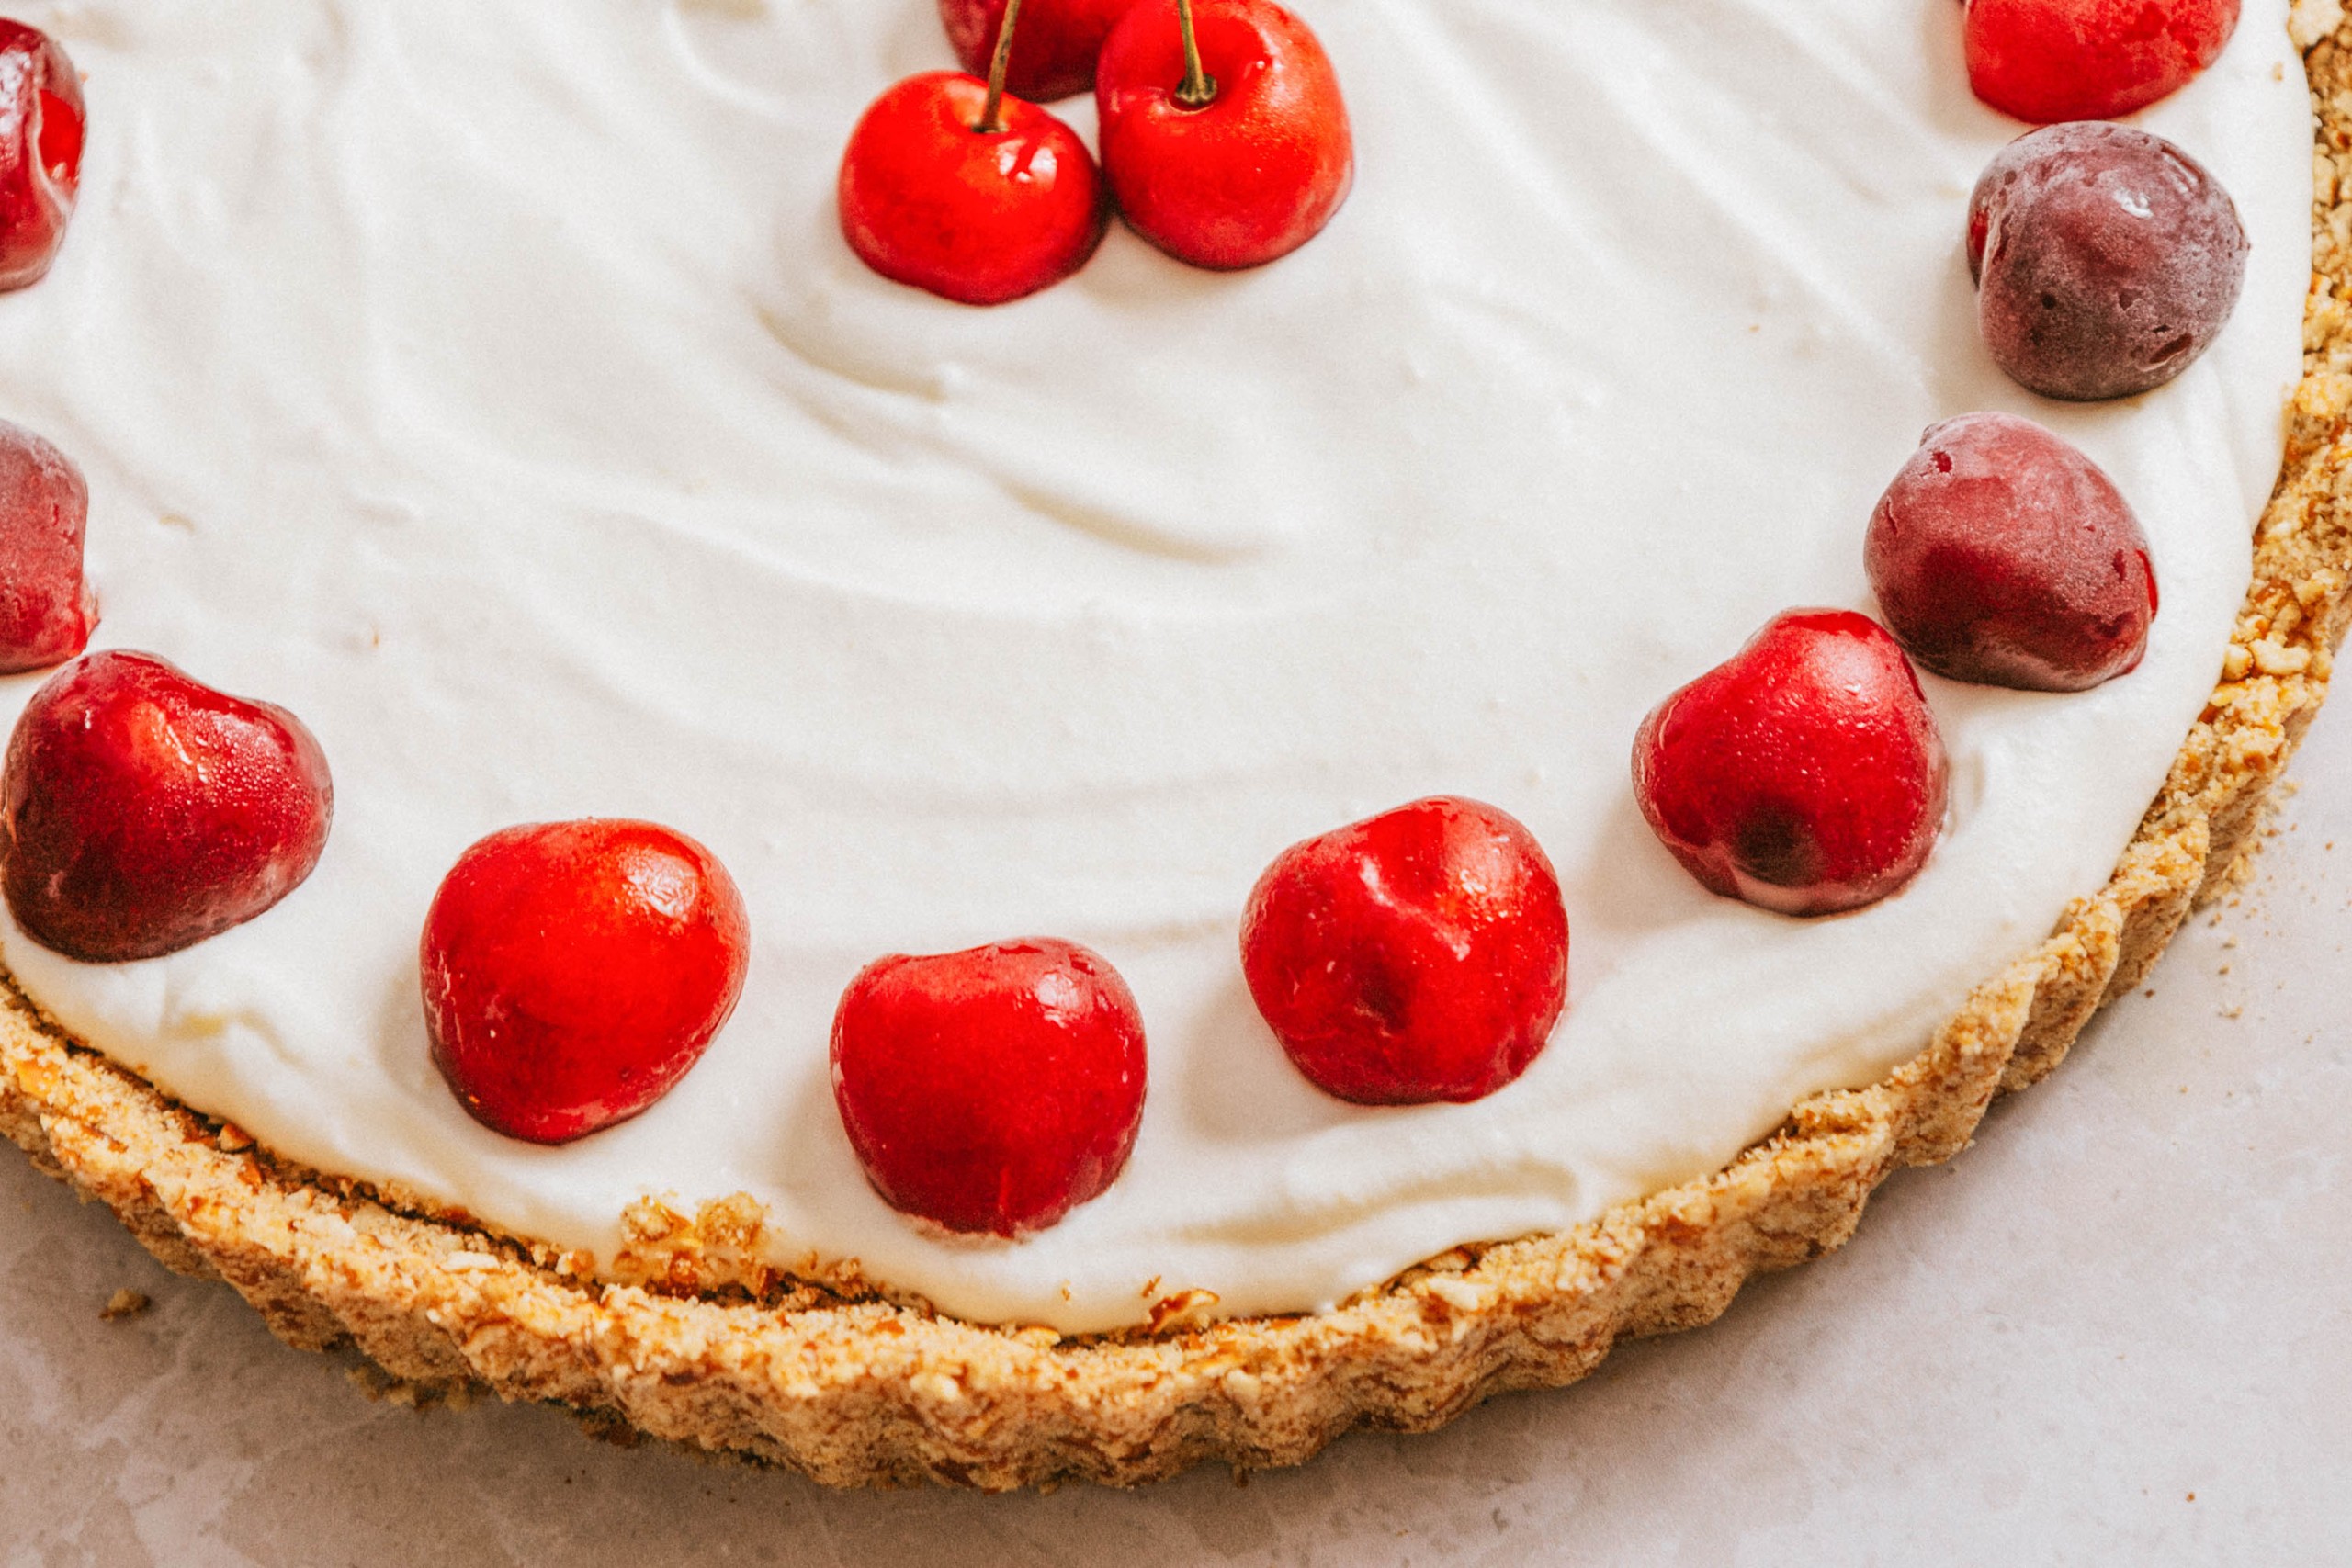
46	605
2001	554
1053	55
1805	774
2050	59
990	1091
41	127
979	219
1252	174
141	812
574	971
2107	260
1418	955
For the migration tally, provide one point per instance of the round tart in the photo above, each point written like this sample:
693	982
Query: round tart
1268	1271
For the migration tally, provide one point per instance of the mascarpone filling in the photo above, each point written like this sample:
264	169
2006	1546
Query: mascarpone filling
488	383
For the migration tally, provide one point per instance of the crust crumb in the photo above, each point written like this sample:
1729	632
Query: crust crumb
124	1304
663	1250
1185	1309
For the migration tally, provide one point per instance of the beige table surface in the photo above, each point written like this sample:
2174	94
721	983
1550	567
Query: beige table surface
2118	1330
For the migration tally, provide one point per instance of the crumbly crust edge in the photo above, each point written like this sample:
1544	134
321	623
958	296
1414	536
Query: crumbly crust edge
865	1392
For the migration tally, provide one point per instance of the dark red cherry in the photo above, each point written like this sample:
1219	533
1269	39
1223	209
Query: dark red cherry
141	812
990	1090
2001	554
2052	60
1238	164
574	971
1418	955
46	606
41	131
2107	260
1054	56
1805	774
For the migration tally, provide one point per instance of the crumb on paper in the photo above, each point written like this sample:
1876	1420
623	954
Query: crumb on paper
124	1304
381	1387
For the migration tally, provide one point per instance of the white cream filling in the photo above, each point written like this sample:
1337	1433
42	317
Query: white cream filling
489	383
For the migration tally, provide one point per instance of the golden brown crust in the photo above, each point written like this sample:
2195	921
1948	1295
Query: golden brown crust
864	1392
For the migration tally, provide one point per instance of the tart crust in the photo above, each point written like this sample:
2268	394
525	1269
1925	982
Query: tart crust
706	1350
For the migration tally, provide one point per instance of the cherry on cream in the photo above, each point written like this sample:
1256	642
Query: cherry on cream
46	605
1418	955
1057	47
41	132
955	185
142	811
2052	60
989	1091
2001	554
1805	774
1224	133
573	971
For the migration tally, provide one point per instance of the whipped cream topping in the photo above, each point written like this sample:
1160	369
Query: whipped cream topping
489	385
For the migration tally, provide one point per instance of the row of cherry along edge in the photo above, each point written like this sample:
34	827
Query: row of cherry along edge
573	971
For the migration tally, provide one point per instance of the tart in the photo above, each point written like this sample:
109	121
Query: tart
699	1323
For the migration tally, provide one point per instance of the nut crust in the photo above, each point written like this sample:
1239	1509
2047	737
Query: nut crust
854	1389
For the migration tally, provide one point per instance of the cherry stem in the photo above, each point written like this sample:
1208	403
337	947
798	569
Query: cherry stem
1199	87
997	67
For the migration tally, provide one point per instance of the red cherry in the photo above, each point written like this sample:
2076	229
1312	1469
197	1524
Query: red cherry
141	812
1805	774
990	1090
1418	955
1237	162
46	607
980	217
40	151
574	971
1058	42
2050	59
2001	554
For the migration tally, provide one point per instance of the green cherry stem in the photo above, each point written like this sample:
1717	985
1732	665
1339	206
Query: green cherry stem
997	67
1199	87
